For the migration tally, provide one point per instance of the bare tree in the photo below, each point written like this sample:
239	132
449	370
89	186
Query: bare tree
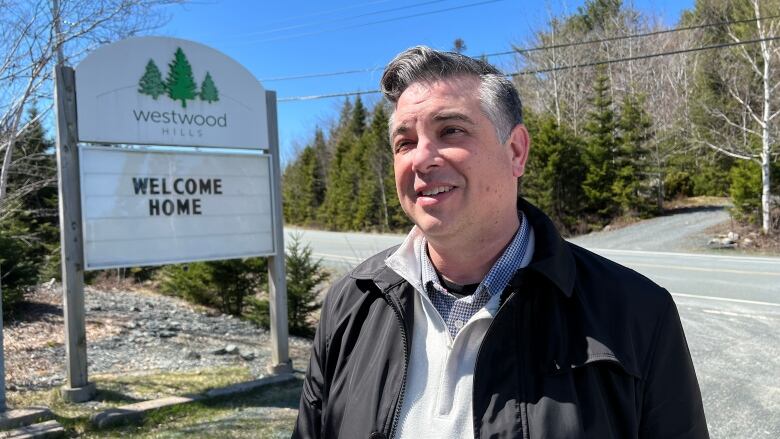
748	126
35	34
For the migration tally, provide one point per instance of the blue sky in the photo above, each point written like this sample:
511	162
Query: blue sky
290	38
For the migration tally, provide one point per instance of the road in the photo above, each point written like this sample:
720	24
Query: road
729	305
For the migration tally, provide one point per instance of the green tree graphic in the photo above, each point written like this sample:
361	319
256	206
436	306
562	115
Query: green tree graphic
180	83
151	82
208	91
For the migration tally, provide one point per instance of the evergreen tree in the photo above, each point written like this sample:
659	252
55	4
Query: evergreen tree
304	275
34	182
377	203
554	174
208	90
600	151
357	120
180	82
321	156
151	82
299	188
631	160
338	208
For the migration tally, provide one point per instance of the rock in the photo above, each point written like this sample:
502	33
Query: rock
131	325
220	351
232	349
95	308
727	241
733	236
191	355
747	242
166	334
135	309
249	356
607	228
50	284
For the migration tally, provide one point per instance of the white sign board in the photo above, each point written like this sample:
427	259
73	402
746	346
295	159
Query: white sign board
143	207
167	91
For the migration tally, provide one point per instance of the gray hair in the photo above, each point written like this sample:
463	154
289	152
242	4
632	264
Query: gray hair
500	100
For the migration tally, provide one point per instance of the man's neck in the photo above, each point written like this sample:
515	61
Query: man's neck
468	261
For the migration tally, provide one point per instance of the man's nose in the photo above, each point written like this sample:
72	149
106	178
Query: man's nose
426	155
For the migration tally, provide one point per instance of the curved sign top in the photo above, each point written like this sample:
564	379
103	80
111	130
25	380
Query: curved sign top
168	91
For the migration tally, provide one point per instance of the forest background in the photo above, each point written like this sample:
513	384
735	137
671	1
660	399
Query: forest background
625	114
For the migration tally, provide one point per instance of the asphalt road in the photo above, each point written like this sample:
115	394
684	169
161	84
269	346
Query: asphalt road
729	305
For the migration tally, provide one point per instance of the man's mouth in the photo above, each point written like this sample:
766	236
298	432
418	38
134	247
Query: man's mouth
435	191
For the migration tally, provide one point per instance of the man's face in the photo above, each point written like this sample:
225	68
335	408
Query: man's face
453	176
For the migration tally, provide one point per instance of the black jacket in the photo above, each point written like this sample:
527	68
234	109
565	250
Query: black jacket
581	347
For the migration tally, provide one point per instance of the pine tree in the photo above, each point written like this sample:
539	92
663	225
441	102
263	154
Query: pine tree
600	151
304	275
299	186
180	83
555	171
151	82
631	160
208	90
338	208
357	120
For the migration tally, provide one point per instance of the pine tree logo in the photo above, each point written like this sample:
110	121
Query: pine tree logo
208	91
151	83
180	84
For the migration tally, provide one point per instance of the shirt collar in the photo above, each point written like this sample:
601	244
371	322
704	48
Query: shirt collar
516	256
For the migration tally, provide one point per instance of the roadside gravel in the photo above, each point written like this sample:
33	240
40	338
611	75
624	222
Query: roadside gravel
130	332
681	232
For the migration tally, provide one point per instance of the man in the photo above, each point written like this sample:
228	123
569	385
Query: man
485	322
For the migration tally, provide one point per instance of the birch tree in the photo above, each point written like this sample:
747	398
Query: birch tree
36	34
748	78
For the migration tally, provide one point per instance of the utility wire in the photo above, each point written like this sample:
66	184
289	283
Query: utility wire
371	23
624	37
533	49
335	20
639	57
560	68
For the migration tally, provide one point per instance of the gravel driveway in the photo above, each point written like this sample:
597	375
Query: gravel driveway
679	232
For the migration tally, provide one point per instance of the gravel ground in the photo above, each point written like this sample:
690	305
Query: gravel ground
133	332
683	232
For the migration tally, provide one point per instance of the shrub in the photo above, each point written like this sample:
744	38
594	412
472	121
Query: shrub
745	191
18	268
224	285
304	275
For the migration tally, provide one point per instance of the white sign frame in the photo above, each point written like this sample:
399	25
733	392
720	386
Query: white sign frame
159	152
123	95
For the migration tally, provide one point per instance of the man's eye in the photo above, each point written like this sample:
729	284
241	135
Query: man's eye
403	145
451	130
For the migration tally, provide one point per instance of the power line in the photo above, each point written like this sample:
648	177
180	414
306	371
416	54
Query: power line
560	68
533	49
624	37
640	57
336	20
371	23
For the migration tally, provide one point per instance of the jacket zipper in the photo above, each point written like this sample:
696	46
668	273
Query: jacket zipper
487	333
397	413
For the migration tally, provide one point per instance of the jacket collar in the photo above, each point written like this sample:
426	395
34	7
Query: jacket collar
552	257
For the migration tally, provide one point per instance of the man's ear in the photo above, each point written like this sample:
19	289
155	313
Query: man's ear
518	144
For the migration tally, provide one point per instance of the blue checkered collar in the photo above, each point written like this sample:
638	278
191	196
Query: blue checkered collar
515	256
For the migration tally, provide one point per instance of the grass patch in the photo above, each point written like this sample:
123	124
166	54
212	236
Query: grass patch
118	390
268	412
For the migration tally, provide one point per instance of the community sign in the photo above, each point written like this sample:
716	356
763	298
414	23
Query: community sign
148	196
167	91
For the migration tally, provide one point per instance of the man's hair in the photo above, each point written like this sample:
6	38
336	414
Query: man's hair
500	100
